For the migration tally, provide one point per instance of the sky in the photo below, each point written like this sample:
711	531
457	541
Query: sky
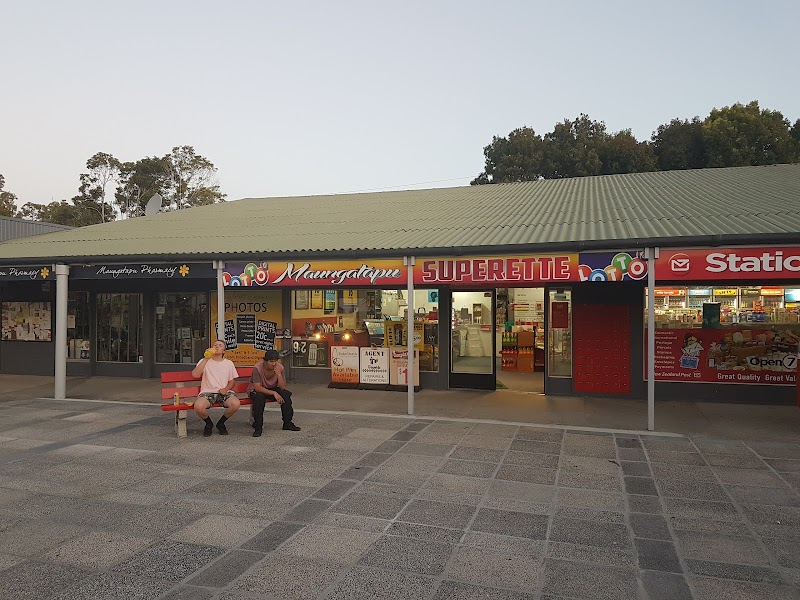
321	97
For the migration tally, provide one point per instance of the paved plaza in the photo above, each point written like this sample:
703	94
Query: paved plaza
100	500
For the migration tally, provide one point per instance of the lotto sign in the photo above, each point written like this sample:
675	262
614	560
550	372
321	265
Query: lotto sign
607	267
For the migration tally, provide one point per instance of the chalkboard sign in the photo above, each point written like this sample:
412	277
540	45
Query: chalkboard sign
246	329
230	334
265	335
309	353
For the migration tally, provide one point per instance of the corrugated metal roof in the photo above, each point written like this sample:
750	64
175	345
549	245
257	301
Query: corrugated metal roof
675	207
11	228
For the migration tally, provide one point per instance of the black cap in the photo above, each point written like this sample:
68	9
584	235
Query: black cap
271	355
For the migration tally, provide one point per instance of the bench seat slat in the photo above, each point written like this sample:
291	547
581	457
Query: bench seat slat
194	390
174	407
180	376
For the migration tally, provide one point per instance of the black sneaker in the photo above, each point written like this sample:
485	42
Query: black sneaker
222	429
290	427
257	433
208	430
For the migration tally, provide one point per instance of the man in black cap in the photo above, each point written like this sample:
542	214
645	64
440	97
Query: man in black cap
267	381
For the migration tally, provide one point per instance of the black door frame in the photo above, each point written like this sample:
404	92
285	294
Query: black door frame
477	381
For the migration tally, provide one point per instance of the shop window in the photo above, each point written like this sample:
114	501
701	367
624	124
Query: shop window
78	340
559	334
359	317
119	328
181	323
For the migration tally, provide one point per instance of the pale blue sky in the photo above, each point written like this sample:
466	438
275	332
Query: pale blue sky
320	97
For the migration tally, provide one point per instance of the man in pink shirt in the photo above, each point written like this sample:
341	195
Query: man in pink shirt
216	387
268	381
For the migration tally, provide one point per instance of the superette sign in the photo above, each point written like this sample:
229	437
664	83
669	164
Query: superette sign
725	264
508	270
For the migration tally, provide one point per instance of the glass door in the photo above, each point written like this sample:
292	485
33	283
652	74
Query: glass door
472	339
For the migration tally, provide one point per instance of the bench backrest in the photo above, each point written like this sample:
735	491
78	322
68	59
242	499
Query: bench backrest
180	379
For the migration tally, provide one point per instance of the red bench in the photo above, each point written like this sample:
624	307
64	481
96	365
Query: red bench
182	384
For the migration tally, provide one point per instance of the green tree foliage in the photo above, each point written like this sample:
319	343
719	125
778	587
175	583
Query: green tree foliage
742	135
138	182
8	208
103	169
192	179
77	212
738	135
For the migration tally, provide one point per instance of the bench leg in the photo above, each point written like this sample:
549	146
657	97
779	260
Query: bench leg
180	423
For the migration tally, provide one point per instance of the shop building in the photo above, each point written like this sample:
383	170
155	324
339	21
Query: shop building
541	283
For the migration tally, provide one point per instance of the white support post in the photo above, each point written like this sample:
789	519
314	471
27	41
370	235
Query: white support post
62	289
220	267
651	254
409	262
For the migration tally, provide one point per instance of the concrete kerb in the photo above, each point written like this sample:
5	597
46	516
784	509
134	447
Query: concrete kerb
568	428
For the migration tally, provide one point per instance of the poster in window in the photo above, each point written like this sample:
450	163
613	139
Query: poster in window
26	321
252	318
316	299
330	300
301	300
559	315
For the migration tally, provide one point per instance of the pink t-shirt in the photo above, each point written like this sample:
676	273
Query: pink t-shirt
217	374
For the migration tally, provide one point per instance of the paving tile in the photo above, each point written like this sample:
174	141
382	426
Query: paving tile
587	514
328	543
658	555
762	495
426	449
739	461
544	434
480	454
698	490
526	474
407	554
665	586
415	462
364	583
158	561
643	486
425	532
272	536
390	446
668	444
644	504
113	586
504	543
387	489
636	469
733	571
335	489
589	480
373	459
591	499
307	510
581	580
701	509
588	533
775	449
785	550
190	592
536	447
675	458
468	468
417	425
405	477
589	445
631	454
498	430
287	577
404	436
784	465
97	549
650	526
484	441
748	477
719	447
709	526
459	484
724	589
441	514
720	548
547	461
332	519
31	538
623	442
219	530
227	568
356	473
783	515
592	554
489	568
34	581
510	523
370	505
456	590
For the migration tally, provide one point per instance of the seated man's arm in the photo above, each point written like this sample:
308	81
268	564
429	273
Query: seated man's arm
198	370
228	387
281	378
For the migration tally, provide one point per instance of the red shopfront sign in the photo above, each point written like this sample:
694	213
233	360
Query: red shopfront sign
736	355
728	264
317	273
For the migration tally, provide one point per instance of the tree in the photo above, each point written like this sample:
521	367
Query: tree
622	153
572	149
742	135
138	182
679	145
81	210
103	169
191	179
516	158
8	207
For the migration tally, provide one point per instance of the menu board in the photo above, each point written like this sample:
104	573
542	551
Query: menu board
309	353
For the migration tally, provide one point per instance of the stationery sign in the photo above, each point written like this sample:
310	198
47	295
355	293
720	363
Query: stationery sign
375	366
726	264
344	364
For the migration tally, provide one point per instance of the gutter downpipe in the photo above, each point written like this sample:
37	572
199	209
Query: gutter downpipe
220	266
651	254
62	289
409	261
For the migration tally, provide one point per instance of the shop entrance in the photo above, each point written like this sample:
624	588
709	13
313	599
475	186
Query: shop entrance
520	344
472	335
